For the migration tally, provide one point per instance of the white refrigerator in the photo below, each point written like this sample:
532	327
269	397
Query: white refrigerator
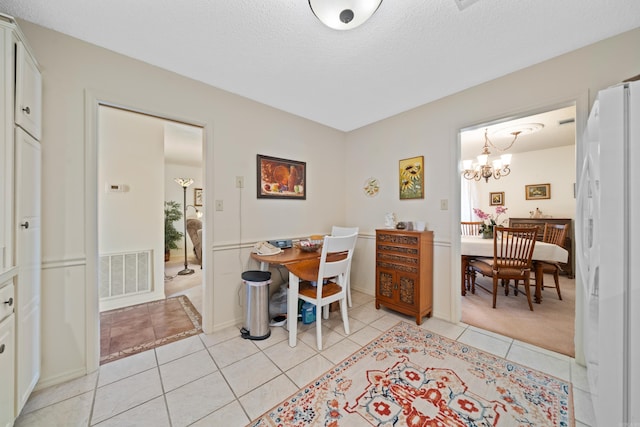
608	253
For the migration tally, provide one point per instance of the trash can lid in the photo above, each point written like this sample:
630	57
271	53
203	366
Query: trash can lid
256	276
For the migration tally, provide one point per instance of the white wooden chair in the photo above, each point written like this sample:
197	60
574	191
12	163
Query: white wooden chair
346	231
334	265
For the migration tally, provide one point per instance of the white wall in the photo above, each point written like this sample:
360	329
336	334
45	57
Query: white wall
555	166
237	129
131	154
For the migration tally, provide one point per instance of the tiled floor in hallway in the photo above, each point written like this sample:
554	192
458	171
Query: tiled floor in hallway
208	379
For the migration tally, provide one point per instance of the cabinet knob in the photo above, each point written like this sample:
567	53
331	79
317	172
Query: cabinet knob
2	348
27	109
9	302
25	224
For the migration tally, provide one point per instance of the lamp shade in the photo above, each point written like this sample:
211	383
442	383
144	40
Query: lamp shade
184	182
344	14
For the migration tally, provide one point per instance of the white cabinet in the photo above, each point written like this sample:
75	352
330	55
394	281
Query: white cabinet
28	105
27	200
7	360
20	255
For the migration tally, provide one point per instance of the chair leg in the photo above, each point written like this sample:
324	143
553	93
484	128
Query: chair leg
345	316
349	292
325	312
527	291
495	290
319	329
557	280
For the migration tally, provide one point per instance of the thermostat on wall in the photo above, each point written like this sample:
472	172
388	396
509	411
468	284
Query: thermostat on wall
115	188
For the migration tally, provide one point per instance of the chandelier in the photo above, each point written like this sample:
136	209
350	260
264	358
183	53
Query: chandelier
483	169
343	14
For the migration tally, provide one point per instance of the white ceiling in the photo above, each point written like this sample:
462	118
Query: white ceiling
409	53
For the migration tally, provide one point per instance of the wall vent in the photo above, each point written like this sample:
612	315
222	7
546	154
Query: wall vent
124	274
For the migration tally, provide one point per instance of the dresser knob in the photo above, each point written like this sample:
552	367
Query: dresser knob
9	302
27	110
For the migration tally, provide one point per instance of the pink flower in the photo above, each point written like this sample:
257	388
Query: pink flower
493	220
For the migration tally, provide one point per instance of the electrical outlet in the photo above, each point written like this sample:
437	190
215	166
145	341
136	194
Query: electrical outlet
444	204
239	181
219	206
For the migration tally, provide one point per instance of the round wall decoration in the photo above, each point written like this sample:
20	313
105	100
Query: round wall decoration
371	187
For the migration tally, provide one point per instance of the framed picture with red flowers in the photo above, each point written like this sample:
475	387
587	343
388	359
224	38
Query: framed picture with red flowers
496	199
412	178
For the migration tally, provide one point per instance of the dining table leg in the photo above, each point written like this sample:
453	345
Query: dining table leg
539	272
292	309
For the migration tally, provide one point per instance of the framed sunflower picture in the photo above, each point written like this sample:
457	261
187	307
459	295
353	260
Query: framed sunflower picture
412	178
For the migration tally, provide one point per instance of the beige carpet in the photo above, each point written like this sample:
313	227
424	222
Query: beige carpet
410	376
551	324
190	285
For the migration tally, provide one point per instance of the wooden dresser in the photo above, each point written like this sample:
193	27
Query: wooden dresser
404	271
567	268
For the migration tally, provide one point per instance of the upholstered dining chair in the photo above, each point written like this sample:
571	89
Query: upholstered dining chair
512	258
333	267
468	228
346	231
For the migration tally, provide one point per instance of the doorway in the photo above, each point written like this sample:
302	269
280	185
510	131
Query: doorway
139	158
543	153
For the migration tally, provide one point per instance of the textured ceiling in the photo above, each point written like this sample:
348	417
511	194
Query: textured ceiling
409	53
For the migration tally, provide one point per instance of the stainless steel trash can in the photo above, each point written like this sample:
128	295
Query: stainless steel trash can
256	313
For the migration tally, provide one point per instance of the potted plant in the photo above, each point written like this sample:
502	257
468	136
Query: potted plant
172	213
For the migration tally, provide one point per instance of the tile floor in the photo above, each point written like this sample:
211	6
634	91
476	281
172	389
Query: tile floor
219	378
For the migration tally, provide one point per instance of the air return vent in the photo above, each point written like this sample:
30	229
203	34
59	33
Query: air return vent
125	274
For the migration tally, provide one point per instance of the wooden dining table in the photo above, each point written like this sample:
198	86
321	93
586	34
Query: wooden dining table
303	265
476	246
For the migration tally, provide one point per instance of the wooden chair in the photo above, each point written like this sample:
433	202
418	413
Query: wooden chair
555	234
512	255
334	265
468	228
346	231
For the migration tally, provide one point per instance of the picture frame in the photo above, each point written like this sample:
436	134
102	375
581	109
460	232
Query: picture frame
411	178
280	178
496	198
537	191
197	197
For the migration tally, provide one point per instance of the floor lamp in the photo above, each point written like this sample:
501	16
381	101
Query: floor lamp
184	183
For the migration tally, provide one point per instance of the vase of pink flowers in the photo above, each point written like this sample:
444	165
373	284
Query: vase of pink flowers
490	221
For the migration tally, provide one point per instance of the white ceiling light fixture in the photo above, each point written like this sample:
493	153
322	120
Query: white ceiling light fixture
343	14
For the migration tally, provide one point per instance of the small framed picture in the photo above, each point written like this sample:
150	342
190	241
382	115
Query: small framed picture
537	191
197	196
412	178
496	199
281	178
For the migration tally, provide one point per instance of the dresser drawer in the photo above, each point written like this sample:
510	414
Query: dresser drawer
7	299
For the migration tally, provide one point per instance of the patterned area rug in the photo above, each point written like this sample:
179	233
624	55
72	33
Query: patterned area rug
412	377
130	330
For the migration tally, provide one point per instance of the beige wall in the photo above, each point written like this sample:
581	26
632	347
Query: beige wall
237	129
432	131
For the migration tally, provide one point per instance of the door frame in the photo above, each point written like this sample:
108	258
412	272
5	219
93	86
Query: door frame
581	102
93	100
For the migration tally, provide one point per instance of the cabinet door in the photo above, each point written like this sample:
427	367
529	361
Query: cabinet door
385	290
27	201
7	355
408	289
28	114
